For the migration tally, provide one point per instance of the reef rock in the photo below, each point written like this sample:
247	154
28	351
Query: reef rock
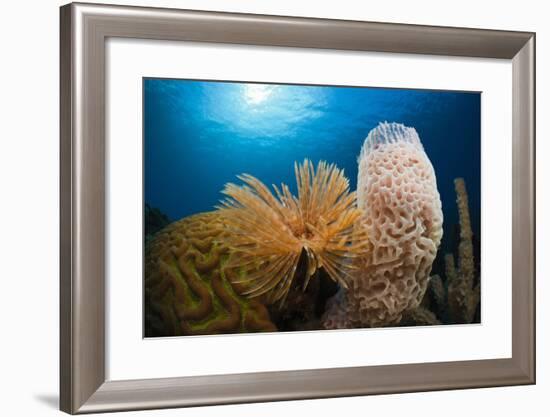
154	220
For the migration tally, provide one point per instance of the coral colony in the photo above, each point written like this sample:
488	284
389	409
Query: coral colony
234	269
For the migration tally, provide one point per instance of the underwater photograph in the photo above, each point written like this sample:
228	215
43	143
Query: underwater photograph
284	207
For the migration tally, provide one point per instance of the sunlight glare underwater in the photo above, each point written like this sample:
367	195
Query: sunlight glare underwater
257	93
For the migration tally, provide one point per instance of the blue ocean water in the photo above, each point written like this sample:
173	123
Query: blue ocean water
198	135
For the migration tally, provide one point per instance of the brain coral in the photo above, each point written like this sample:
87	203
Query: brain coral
186	289
398	196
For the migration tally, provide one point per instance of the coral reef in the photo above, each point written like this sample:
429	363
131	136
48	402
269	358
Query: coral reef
215	272
186	289
269	233
401	210
324	259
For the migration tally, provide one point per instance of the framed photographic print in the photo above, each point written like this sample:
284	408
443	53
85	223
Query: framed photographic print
236	187
311	254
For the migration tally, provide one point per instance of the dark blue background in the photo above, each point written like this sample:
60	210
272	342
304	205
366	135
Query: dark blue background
198	135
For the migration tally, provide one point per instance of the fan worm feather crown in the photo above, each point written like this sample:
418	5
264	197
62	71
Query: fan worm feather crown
270	231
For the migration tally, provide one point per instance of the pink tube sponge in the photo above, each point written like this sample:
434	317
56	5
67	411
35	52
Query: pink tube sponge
401	209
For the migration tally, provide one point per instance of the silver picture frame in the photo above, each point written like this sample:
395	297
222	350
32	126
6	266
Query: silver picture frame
83	34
